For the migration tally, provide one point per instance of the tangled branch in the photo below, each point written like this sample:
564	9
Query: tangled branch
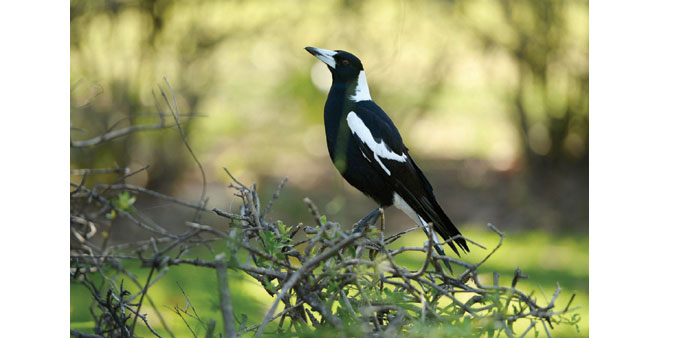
331	279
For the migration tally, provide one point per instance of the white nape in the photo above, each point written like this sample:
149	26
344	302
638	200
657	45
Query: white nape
379	149
362	89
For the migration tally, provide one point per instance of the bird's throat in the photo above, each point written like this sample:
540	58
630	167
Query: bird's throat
342	99
336	128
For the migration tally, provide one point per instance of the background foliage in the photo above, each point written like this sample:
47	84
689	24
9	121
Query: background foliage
490	96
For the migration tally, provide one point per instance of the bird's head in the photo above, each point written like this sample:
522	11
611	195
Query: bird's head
345	68
343	65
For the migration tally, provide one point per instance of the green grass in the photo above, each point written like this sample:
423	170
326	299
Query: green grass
545	258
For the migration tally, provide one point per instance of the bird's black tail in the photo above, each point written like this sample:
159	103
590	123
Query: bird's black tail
428	209
424	204
442	224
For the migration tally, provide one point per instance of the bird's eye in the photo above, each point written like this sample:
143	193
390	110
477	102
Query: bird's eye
344	62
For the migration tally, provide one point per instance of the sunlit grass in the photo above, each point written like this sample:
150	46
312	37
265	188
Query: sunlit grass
545	258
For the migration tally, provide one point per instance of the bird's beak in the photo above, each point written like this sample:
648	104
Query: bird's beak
325	55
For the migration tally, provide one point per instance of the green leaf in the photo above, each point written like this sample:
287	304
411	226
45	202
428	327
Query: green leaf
387	292
268	285
352	251
282	228
124	202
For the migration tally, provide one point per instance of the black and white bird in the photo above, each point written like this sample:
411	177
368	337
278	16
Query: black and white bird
367	149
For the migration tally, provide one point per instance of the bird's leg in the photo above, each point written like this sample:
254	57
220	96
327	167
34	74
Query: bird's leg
370	219
382	220
437	246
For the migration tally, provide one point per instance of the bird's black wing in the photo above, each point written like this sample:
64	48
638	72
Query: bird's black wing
390	158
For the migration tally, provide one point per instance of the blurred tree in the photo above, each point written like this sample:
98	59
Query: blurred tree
551	97
500	81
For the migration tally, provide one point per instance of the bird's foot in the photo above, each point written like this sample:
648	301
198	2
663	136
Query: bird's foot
369	220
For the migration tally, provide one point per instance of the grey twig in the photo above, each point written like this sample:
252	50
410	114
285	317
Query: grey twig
115	134
309	265
164	197
173	108
79	172
225	296
313	210
274	197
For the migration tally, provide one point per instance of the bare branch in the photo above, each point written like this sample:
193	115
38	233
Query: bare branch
111	135
308	266
174	111
225	296
274	197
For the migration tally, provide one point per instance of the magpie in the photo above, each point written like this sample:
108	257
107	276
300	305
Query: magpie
366	148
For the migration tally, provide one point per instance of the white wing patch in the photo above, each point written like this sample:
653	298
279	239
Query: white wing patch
379	149
362	89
